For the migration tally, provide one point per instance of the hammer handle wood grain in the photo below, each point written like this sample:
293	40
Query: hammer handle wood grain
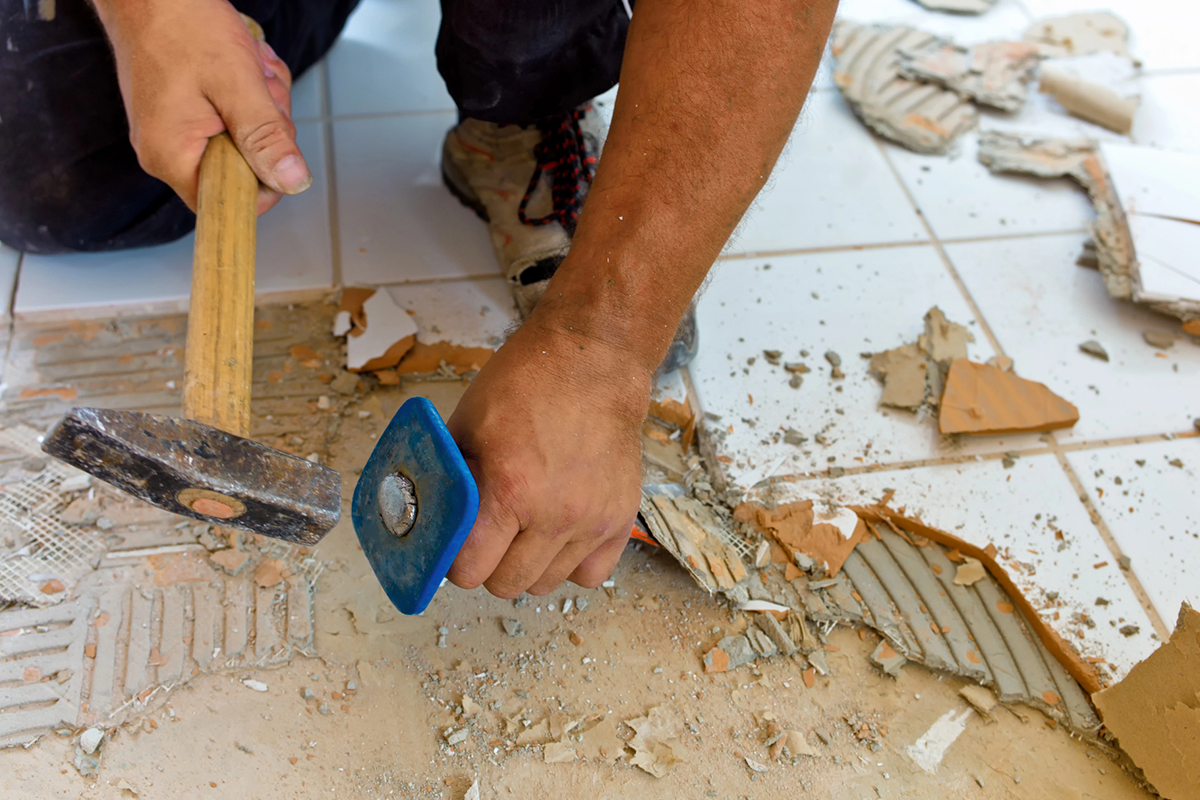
220	338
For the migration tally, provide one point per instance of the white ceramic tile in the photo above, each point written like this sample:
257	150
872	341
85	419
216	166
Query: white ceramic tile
1041	306
961	199
398	221
9	259
865	301
306	94
1020	510
1005	20
1162	32
831	188
472	313
384	61
1169	116
1152	509
294	253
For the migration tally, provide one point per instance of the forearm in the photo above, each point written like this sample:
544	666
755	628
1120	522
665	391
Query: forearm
710	90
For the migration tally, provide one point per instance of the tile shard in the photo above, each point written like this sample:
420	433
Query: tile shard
920	116
798	530
1080	34
1155	712
986	400
656	747
903	371
388	334
995	74
1087	100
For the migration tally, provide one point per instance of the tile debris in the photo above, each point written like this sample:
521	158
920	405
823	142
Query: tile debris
1094	348
994	74
921	116
1155	712
982	399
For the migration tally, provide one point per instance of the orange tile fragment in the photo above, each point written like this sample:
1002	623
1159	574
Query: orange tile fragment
979	398
810	677
1051	698
1004	607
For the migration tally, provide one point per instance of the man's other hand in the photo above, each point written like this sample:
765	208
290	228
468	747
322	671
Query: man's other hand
551	429
190	70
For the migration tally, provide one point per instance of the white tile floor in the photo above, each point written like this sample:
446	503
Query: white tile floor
877	233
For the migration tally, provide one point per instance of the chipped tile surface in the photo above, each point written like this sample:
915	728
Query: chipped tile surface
1153	513
384	61
1022	510
831	188
474	313
961	199
749	308
1041	306
398	222
294	253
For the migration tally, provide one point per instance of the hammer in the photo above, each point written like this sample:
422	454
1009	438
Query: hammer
202	466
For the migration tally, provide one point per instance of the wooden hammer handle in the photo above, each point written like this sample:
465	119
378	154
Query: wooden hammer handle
220	337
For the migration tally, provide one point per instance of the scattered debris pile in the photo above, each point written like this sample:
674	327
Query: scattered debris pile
1147	228
1155	712
921	90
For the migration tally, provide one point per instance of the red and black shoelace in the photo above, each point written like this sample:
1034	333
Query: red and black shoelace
563	154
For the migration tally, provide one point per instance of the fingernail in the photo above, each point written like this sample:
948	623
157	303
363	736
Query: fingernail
292	175
269	55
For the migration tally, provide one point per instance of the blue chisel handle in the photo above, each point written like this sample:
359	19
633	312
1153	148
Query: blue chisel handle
414	460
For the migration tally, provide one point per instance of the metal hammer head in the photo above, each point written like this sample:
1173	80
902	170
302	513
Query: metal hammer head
201	472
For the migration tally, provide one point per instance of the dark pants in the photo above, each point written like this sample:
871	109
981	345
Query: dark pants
70	181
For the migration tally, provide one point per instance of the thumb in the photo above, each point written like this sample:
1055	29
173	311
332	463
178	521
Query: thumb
263	133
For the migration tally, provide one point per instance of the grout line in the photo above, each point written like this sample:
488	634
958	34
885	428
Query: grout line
937	244
1131	578
447	279
331	192
753	254
1167	72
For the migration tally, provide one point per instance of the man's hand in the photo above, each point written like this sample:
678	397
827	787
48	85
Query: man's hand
189	70
551	429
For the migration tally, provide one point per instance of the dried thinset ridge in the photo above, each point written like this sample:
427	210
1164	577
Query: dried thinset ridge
921	116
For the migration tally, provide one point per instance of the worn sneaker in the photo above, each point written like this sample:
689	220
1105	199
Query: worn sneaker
529	184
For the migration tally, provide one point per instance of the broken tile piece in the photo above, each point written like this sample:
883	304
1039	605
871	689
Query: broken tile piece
996	74
943	341
388	335
1079	34
656	747
887	659
920	116
730	653
902	370
983	399
1094	348
1087	100
1155	712
980	697
800	529
969	572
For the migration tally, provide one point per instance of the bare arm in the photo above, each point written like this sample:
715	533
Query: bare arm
710	90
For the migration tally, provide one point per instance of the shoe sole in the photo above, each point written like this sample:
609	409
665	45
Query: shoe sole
458	186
